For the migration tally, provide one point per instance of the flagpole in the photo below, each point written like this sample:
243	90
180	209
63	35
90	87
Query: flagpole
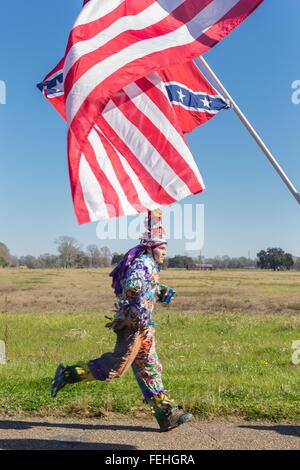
251	130
149	224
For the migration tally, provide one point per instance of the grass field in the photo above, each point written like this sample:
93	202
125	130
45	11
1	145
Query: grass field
225	342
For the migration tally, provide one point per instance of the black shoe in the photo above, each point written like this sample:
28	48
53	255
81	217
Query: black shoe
173	420
59	380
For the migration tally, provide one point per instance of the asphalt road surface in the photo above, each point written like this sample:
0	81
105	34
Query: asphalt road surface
124	433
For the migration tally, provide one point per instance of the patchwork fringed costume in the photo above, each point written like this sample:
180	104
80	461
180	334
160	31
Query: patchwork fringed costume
137	287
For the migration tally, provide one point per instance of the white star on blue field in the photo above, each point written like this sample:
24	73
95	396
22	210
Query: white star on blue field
181	95
206	102
247	207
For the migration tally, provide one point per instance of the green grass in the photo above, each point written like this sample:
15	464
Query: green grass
215	365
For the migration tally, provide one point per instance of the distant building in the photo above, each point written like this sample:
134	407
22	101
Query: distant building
205	267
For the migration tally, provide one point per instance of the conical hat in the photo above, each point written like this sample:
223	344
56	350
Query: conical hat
154	232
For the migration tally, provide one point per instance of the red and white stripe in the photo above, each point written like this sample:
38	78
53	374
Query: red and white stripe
135	158
127	152
114	42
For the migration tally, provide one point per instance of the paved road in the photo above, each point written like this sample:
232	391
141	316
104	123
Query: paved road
132	434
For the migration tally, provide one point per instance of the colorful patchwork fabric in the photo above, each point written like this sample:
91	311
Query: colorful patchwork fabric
147	367
140	289
133	348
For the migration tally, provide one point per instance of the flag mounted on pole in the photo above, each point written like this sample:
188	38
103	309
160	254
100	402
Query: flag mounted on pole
127	153
115	42
136	157
194	99
108	141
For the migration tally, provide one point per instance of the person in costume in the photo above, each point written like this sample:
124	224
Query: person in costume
135	281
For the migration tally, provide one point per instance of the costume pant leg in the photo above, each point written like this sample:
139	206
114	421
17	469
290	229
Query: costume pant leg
112	364
147	367
148	372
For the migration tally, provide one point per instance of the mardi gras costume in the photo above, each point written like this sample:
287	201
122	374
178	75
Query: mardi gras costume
136	284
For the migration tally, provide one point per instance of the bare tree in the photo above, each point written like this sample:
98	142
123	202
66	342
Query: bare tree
94	255
4	255
48	261
69	249
29	261
106	256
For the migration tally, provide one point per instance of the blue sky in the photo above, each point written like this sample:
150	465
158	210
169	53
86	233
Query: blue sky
246	205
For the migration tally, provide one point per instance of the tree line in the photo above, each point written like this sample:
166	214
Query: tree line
272	258
71	255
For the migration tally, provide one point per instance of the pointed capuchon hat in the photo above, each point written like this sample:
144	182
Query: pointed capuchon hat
153	236
154	231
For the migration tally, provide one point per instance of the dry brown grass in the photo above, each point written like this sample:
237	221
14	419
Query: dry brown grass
254	292
220	354
89	290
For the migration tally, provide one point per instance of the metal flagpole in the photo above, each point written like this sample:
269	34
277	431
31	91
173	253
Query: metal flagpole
149	224
252	131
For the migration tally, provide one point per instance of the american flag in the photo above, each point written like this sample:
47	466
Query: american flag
137	140
127	153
